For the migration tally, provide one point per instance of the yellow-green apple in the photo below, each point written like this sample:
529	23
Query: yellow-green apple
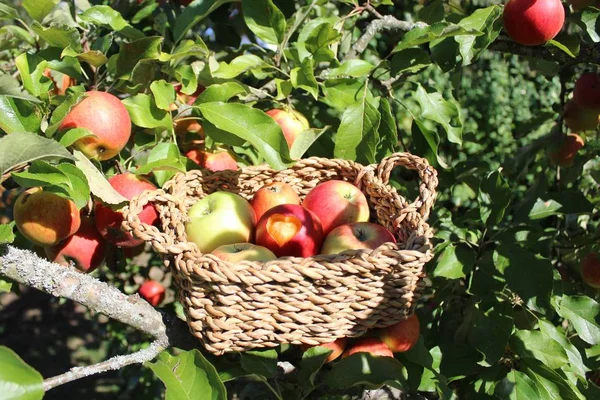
153	292
243	251
369	345
533	22
290	230
590	270
358	235
567	150
291	123
403	335
218	160
218	219
337	347
587	90
271	195
579	5
108	221
336	203
579	118
106	118
86	248
45	218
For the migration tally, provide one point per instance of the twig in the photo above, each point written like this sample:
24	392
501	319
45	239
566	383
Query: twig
263	92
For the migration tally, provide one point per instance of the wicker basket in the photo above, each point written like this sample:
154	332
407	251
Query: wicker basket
236	307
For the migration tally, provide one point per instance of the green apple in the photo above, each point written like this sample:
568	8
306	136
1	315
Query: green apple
243	251
218	219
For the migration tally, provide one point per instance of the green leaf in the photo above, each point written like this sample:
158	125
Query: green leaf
589	17
303	78
130	54
409	61
566	43
109	18
304	140
312	360
494	197
93	57
388	131
357	135
265	20
145	113
455	262
538	345
62	110
20	148
221	92
194	13
31	68
489	333
433	12
61	36
426	142
584	313
262	363
251	125
38	9
7	12
342	93
425	34
164	94
164	160
97	183
564	202
544	208
550	384
72	135
315	38
238	66
188	375
189	81
187	48
355	68
18	380
10	87
7	234
576	363
519	387
17	115
445	113
486	20
363	368
6	286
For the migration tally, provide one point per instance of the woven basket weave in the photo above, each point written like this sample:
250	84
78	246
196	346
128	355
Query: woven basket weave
236	307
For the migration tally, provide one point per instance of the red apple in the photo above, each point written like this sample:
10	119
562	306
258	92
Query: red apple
369	345
336	346
153	292
86	248
188	99
291	122
107	118
183	126
45	218
65	82
219	160
569	147
290	230
587	91
590	270
579	118
336	203
403	335
271	195
109	221
533	22
358	235
243	251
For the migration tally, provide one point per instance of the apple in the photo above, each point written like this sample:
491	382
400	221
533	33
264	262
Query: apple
403	335
569	147
533	22
219	160
579	118
86	248
187	125
336	346
243	251
290	230
587	91
107	118
153	292
65	82
291	122
271	195
188	99
358	235
336	203
218	219
45	218
109	221
369	345
590	270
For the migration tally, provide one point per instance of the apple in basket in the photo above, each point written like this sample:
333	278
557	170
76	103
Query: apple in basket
359	235
336	203
290	230
218	219
243	251
271	195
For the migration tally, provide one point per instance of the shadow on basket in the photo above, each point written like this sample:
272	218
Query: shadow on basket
236	307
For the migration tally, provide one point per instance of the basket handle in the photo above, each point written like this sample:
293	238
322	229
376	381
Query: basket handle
427	174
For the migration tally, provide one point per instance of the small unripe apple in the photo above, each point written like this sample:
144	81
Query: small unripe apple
109	221
219	160
579	118
271	195
153	292
337	347
369	345
569	147
45	218
533	22
403	335
587	91
291	122
107	118
86	248
590	270
243	251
